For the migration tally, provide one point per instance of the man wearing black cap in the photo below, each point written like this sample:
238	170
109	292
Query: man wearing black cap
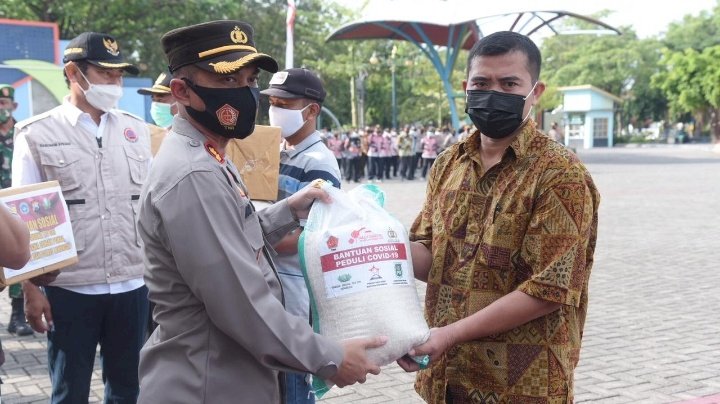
222	328
100	156
296	97
162	109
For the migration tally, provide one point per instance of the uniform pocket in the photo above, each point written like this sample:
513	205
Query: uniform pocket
254	232
63	166
137	158
78	216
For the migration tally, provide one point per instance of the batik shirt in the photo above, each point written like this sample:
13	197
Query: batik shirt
6	153
529	224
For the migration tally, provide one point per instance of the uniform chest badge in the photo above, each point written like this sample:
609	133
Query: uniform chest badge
227	115
214	153
130	135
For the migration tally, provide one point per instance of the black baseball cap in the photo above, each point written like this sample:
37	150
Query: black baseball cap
296	83
221	47
161	86
101	50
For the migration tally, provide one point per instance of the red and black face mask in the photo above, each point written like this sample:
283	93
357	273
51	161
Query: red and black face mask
229	112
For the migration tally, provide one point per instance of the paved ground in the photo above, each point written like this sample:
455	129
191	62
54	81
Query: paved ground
653	329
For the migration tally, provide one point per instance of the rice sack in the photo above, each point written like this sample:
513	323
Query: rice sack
357	265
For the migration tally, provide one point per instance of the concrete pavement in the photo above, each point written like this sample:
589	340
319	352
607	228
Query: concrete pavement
653	330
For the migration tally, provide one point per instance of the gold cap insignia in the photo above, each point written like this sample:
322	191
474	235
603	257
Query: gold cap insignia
73	50
160	78
111	46
238	36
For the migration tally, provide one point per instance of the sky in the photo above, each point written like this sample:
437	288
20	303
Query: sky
647	19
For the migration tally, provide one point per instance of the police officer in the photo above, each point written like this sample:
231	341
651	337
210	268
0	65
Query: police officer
100	156
222	329
162	109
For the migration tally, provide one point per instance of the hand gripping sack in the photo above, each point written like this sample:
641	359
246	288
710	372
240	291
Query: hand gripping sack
357	265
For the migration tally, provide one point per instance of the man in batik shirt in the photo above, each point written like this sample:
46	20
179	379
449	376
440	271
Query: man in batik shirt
505	242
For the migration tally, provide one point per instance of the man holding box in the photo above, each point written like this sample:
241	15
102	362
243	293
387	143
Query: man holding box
101	157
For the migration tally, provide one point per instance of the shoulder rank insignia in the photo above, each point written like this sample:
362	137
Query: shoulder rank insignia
214	153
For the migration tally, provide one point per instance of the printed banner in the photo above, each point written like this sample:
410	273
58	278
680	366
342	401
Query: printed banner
52	245
358	259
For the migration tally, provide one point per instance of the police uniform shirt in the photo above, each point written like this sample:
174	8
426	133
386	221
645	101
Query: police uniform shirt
222	327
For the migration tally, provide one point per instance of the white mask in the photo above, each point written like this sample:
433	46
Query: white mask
102	96
289	120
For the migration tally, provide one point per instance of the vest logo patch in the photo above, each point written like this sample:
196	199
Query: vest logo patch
130	135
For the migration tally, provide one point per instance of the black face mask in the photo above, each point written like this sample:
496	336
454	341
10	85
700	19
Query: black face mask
229	112
496	114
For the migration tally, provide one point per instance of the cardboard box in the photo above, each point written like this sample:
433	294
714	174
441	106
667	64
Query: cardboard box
257	158
157	134
42	207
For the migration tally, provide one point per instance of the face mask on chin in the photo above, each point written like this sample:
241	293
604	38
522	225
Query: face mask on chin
161	113
103	97
497	115
289	120
229	112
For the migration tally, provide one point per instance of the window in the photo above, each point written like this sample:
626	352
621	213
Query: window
600	128
600	132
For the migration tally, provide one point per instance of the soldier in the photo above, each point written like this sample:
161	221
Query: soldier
100	156
222	328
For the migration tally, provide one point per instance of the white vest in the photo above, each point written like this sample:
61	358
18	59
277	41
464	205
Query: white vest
101	186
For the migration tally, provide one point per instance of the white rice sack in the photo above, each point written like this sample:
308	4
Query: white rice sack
357	265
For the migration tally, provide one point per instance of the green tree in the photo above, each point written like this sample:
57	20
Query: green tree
690	74
691	82
619	64
694	31
139	24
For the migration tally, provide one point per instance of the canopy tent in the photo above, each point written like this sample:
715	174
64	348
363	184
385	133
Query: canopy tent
432	24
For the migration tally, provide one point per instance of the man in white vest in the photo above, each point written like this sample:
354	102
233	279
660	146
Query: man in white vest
101	156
